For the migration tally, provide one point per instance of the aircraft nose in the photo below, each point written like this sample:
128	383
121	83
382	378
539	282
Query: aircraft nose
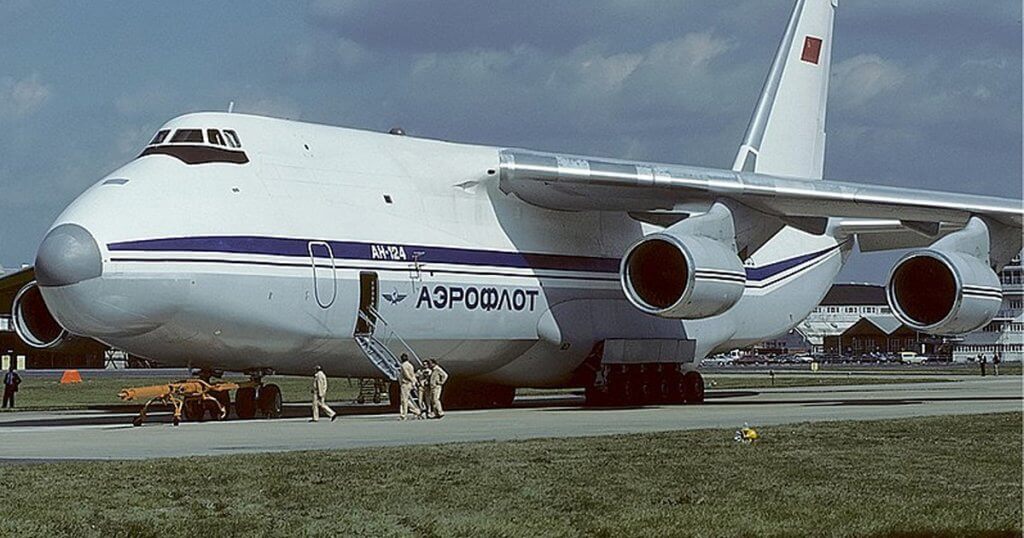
68	255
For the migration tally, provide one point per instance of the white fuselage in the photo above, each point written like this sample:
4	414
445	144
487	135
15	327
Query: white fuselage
209	265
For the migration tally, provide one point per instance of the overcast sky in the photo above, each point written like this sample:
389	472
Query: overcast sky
924	93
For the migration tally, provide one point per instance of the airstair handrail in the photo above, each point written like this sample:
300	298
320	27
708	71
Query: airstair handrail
389	333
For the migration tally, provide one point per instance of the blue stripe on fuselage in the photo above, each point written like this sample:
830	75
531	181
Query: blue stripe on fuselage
350	250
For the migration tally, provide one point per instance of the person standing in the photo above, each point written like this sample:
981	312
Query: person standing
995	363
438	377
11	382
406	382
320	396
423	388
982	361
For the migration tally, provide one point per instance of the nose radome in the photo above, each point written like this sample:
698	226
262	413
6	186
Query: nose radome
68	255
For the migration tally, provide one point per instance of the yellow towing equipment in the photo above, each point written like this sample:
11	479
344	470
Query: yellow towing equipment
192	398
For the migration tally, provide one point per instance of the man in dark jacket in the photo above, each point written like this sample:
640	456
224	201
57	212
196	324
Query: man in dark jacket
11	382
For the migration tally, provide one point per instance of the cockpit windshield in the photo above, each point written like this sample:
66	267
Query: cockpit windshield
187	136
160	137
197	146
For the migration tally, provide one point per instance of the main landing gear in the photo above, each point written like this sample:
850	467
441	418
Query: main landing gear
645	384
201	397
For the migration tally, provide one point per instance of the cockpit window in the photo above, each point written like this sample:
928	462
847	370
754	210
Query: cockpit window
213	135
160	137
232	138
188	135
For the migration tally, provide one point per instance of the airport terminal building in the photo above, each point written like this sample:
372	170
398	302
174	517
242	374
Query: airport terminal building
1004	334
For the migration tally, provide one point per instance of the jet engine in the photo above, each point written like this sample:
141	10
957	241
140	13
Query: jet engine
32	320
682	276
943	292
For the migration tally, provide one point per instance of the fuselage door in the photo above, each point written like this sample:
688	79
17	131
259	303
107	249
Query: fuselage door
325	283
369	292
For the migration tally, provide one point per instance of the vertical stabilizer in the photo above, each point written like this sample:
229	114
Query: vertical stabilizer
786	136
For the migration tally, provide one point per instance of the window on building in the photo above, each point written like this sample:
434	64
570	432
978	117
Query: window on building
188	136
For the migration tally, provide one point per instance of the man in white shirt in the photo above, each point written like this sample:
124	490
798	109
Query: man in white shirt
320	396
406	382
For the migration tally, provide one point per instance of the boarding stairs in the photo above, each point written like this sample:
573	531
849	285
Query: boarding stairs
377	344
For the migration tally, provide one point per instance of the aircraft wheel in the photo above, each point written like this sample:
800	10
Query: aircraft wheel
693	388
245	403
663	383
394	396
194	410
224	399
270	402
503	396
596	396
674	387
618	393
634	387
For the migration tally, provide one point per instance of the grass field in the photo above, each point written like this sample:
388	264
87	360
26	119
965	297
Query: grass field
48	394
950	476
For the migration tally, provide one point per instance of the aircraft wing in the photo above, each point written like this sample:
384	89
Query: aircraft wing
582	183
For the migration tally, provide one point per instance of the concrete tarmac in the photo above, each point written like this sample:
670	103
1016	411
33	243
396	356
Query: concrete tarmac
49	436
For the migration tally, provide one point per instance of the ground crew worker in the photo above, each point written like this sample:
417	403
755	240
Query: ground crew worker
11	382
423	388
406	382
438	377
320	396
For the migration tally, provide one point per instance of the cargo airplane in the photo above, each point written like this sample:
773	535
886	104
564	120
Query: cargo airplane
251	244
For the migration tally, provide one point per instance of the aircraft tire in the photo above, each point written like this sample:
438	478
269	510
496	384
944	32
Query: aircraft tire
674	387
224	398
593	396
394	396
269	401
693	388
245	403
194	410
618	392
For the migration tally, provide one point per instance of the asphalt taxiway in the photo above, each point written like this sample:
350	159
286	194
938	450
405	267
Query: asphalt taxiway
49	436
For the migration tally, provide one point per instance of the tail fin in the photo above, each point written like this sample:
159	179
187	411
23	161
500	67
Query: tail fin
786	135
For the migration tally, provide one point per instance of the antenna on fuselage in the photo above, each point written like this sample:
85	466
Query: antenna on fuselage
231	107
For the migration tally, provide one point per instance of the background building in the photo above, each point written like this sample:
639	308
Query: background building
842	307
1005	334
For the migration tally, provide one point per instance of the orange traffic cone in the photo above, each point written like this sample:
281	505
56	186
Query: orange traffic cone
70	376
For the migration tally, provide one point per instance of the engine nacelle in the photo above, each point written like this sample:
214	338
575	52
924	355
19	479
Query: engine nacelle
943	292
682	277
32	320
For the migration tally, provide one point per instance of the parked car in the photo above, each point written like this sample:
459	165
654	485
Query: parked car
910	357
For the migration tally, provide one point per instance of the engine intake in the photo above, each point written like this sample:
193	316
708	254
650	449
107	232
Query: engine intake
675	277
32	319
941	292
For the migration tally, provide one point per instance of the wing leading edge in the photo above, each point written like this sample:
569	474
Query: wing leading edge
581	183
572	183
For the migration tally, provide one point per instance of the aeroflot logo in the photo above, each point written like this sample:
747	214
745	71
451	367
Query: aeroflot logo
473	298
388	252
